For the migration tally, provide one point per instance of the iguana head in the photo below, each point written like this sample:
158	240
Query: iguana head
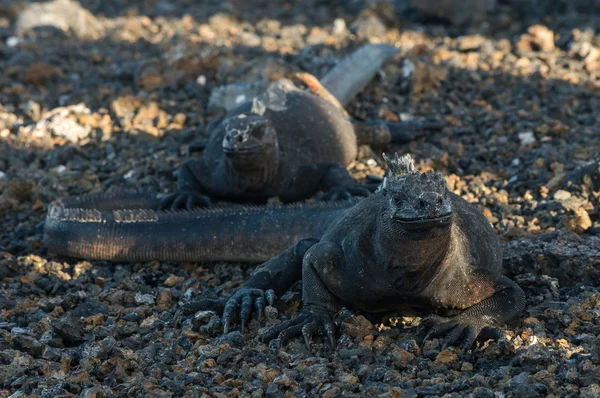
417	201
249	136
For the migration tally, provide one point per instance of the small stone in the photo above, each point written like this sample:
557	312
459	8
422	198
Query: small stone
348	378
446	357
148	322
591	391
273	391
526	138
595	351
173	280
144	298
401	357
339	27
579	222
164	299
537	38
70	329
283	380
40	73
368	26
482	392
535	354
470	43
562	195
90	308
271	312
33	110
466	367
13	41
150	79
27	344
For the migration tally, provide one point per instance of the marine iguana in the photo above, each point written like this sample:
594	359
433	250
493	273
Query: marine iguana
411	244
290	143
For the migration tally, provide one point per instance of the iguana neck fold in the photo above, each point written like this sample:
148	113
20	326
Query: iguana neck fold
254	171
414	251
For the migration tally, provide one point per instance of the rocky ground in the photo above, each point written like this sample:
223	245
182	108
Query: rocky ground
111	95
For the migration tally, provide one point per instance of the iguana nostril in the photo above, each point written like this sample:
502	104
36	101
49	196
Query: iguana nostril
239	139
422	203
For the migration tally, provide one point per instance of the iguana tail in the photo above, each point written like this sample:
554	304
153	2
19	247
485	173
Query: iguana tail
127	227
351	75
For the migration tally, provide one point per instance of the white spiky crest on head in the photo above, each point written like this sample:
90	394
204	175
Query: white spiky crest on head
398	169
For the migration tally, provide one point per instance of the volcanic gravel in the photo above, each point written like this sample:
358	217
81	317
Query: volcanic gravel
104	95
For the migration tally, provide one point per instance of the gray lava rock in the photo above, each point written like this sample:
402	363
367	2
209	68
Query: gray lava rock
90	308
595	351
27	344
70	329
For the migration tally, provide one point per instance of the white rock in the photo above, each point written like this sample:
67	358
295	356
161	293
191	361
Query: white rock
526	138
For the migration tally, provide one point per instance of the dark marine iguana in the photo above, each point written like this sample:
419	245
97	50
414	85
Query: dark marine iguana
411	244
290	143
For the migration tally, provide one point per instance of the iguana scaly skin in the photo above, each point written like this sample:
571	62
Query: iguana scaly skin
411	244
128	227
289	143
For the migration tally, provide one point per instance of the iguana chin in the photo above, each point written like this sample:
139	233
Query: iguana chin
289	143
411	244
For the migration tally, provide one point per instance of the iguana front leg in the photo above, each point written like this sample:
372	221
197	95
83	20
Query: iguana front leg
333	178
190	192
268	281
321	264
484	319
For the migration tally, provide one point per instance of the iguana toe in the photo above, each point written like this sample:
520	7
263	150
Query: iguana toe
308	322
246	299
184	200
460	330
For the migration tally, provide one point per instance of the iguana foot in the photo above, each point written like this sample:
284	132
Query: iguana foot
311	319
460	328
342	192
184	200
246	298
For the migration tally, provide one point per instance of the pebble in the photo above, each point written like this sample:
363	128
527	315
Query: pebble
446	357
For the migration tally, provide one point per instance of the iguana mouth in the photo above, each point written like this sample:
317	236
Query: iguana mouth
242	151
419	223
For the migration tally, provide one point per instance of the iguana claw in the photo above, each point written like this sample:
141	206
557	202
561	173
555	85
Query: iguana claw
184	200
310	320
246	299
460	328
